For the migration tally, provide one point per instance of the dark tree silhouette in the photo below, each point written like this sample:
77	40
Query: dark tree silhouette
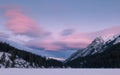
39	61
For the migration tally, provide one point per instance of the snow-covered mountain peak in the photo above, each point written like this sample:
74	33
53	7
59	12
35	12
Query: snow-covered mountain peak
94	47
59	59
113	40
117	40
96	43
97	46
98	40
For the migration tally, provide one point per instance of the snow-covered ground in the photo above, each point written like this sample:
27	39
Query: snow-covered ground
17	71
6	62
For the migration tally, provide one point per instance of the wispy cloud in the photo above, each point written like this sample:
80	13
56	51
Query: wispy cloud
109	32
24	28
67	32
75	40
19	23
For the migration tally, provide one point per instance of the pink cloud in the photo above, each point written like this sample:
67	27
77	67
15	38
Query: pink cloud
19	23
109	32
61	42
75	40
50	46
45	44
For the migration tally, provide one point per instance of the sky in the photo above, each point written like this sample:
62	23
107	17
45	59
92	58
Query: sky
58	24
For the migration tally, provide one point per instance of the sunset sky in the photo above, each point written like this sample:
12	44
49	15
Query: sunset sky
58	24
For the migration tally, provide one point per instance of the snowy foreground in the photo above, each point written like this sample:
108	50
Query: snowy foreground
16	71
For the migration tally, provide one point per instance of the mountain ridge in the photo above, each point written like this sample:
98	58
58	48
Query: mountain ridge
31	60
110	54
95	55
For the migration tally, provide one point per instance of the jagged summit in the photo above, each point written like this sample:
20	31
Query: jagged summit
97	46
98	40
117	40
98	50
94	47
106	54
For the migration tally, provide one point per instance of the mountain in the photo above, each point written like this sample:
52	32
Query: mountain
58	54
96	46
11	57
99	54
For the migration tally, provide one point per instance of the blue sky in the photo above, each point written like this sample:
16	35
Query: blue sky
83	15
